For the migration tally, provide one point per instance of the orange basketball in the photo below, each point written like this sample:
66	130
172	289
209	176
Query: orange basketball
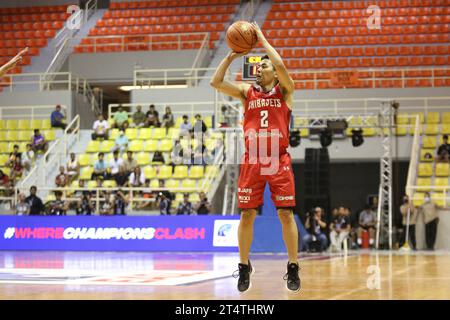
241	36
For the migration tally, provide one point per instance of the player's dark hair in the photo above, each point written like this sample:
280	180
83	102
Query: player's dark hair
265	57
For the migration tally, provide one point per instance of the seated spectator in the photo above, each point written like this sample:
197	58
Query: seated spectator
121	143
22	208
115	163
73	168
120	202
120	117
225	116
340	228
101	127
158	157
316	229
13	155
185	207
137	178
121	177
443	153
100	167
367	222
164	203
130	163
168	120
125	126
58	207
199	126
57	118
152	117
99	181
107	205
185	127
35	203
28	158
85	205
139	117
203	206
5	184
17	170
62	178
38	142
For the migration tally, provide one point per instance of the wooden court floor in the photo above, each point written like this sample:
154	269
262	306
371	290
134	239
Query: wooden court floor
132	275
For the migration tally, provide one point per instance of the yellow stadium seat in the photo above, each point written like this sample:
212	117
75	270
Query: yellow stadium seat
50	197
438	198
355	121
189	184
145	133
445	129
401	130
110	184
159	133
24	135
2	124
210	143
10	147
92	184
412	129
172	184
196	172
136	145
174	133
425	169
154	183
446	117
7	171
165	145
46	124
403	118
442	169
151	146
36	124
432	129
150	172
107	146
304	132
75	184
3	147
204	186
208	121
185	143
180	172
23	146
3	159
423	152
418	199
300	121
424	184
413	117
113	134
111	122
432	117
143	158
93	146
13	135
23	124
179	196
3	135
369	132
131	133
194	198
175	203
84	160
11	124
178	122
212	171
164	172
429	142
441	182
49	135
86	173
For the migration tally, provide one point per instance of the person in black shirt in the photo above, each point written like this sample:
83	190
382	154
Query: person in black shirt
121	177
444	150
85	206
203	206
58	207
13	155
316	228
36	205
158	157
185	207
120	203
152	117
164	203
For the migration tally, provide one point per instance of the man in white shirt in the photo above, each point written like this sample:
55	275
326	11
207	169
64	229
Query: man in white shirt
115	163
100	128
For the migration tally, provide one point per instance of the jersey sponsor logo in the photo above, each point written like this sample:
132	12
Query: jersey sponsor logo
281	198
245	190
263	133
262	103
244	199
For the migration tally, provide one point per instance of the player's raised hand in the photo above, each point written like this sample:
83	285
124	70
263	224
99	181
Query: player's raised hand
12	63
259	32
234	55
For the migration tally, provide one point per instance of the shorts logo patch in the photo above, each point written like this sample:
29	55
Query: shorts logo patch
281	198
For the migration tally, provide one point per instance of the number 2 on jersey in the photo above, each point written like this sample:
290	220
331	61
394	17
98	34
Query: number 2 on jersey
264	120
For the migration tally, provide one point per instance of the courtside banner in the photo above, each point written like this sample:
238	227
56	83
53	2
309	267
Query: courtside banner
119	233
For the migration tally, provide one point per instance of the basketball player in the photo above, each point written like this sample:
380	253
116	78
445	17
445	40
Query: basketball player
12	63
267	111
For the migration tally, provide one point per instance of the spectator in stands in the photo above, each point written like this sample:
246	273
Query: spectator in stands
185	127
139	117
164	203
100	128
120	202
22	207
13	155
158	157
199	126
340	228
129	163
5	184
120	117
125	126
316	229
367	223
85	205
197	156
152	117
431	218
73	168
443	153
177	153
408	207
121	177
225	116
57	118
168	120
115	163
100	167
99	181
185	207
35	203
61	179
137	178
107	205
17	170
203	206
13	62
58	207
28	158
38	142
121	142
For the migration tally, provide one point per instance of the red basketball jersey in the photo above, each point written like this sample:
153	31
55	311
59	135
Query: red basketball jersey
266	118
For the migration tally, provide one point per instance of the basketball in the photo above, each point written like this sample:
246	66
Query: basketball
241	36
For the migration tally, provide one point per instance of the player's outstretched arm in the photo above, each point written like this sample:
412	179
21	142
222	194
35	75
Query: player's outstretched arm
284	78
234	89
12	63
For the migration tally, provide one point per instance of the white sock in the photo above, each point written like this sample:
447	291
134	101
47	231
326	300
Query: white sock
371	241
359	241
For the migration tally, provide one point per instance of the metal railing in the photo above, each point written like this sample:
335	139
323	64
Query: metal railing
90	9
188	76
28	112
414	159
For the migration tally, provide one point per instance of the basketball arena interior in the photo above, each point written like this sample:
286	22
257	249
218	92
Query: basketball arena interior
368	129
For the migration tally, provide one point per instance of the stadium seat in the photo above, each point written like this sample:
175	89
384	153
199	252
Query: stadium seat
174	133
429	142
113	134
438	198
13	135
24	135
86	173
172	184
441	182
154	183
150	172
23	124
93	146
418	199
151	145
445	129
131	133
196	172
442	169
46	124
425	169
145	133
424	184
446	118
403	118
165	145
143	158
92	184
110	184
3	135
84	160
107	146
159	133
11	125
164	172
136	145
432	118
3	159
212	171
189	184
194	197
431	129
180	172
423	152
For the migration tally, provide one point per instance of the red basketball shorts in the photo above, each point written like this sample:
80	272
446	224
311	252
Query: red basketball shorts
252	182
